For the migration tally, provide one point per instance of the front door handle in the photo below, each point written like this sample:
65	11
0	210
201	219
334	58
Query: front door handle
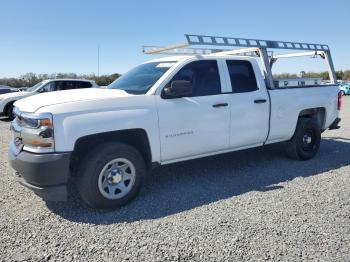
220	105
260	101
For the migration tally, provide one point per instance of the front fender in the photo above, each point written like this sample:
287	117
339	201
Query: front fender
74	124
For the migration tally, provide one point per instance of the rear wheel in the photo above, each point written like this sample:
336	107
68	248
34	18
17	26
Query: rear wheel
342	93
305	142
111	175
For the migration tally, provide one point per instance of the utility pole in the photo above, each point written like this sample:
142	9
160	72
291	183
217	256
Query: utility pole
98	60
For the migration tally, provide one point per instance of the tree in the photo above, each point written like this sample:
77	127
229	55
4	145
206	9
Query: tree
340	75
346	75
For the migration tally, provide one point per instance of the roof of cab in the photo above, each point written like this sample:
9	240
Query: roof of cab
168	59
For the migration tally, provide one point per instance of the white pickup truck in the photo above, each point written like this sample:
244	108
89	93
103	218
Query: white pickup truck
166	110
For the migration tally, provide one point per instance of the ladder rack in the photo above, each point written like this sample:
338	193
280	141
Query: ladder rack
251	47
245	42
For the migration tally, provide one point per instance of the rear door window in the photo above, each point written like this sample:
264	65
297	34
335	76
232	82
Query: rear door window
242	76
65	85
83	84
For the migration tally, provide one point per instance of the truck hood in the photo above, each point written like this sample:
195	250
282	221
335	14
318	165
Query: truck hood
33	103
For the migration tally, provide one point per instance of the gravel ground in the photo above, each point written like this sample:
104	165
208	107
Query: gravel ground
250	205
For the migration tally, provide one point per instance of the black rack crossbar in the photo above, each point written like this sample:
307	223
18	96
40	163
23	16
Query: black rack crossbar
245	42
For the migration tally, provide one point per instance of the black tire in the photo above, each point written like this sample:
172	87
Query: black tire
9	111
305	142
342	93
92	165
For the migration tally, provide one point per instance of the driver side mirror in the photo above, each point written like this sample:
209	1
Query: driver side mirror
177	89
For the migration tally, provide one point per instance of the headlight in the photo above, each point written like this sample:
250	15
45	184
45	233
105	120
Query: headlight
36	131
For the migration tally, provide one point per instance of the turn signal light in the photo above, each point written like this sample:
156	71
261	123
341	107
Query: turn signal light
45	122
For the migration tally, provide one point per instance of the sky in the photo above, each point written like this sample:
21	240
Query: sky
63	36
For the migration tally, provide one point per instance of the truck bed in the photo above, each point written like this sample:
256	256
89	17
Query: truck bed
287	103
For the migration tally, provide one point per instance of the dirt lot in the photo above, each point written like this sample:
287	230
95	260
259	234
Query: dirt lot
251	205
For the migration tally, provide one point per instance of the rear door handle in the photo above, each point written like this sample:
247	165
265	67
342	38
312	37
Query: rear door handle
220	105
260	101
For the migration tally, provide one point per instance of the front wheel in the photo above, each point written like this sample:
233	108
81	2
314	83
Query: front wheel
305	142
342	93
110	176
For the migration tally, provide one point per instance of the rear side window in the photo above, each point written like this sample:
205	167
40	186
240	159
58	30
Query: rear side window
83	84
242	76
204	76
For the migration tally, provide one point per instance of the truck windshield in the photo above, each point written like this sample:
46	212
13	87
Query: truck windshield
140	79
33	88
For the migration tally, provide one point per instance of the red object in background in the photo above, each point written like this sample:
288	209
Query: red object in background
339	100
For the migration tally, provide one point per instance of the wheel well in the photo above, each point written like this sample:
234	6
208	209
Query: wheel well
318	114
135	137
7	106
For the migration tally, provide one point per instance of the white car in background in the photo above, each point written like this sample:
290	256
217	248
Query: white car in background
7	100
7	89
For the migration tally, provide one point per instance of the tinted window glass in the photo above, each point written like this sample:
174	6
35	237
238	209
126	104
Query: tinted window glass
49	87
242	76
83	84
204	76
65	85
58	85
